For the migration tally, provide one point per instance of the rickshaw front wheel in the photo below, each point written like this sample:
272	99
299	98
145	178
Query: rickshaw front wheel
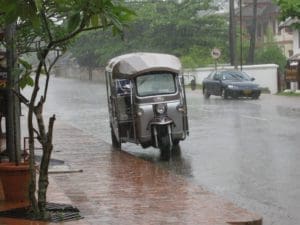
164	143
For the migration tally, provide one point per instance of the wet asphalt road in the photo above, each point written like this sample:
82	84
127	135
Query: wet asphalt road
245	150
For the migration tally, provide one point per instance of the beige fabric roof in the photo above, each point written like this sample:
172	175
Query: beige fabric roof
133	64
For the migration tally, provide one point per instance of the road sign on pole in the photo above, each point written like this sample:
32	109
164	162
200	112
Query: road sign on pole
215	53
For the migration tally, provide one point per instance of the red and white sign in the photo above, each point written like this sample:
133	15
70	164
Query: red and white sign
215	53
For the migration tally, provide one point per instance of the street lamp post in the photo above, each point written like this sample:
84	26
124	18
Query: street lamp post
241	36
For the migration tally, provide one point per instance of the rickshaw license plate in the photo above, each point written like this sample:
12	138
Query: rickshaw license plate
247	92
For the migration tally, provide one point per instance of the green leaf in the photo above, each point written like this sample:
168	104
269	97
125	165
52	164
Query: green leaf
38	4
74	22
26	80
35	20
95	21
24	63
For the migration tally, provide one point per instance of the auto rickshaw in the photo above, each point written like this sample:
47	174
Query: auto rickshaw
147	101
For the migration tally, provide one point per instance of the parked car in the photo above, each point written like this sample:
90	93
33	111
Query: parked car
230	83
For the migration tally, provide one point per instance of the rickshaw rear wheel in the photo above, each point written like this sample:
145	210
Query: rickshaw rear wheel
115	143
176	142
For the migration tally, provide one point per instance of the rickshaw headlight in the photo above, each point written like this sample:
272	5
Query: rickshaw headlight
140	112
160	108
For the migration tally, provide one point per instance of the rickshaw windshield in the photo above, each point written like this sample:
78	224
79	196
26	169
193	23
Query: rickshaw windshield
155	84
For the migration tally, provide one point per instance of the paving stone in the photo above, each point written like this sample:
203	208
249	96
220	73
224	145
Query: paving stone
115	187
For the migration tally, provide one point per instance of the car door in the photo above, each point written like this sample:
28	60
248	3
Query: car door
216	84
208	82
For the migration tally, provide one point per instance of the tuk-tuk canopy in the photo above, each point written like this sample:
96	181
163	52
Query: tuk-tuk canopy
130	65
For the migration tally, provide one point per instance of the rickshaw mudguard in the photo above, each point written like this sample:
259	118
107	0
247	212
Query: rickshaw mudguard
159	121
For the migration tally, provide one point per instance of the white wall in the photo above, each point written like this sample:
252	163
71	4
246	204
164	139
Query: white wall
265	75
74	71
296	47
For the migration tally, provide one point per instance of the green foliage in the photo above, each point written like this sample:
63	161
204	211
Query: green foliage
45	26
197	56
289	8
24	75
184	29
271	54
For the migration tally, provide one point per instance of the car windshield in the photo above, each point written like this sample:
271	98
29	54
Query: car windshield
155	84
234	75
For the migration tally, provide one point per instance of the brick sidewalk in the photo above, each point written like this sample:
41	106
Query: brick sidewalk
117	188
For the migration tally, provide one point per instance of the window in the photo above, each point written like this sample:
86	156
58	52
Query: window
155	84
122	86
217	76
234	75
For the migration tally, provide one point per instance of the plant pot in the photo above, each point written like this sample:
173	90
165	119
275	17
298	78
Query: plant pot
15	181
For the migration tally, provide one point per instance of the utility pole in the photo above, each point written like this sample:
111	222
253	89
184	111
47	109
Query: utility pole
232	34
250	59
13	137
241	36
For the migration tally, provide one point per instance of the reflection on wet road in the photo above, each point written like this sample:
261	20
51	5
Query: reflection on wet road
245	150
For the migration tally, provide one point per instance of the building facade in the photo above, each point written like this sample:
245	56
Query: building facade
267	21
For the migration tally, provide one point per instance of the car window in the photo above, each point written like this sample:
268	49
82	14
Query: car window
211	75
235	75
217	76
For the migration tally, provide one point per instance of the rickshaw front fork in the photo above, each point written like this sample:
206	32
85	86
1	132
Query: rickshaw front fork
156	133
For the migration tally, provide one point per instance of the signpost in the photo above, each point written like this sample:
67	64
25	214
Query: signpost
215	54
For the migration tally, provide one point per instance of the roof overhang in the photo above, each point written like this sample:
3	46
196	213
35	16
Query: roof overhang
289	22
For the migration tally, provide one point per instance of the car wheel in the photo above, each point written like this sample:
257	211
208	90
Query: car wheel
224	94
206	93
255	96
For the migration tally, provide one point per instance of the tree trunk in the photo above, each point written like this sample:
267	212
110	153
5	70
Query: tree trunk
250	59
43	178
32	185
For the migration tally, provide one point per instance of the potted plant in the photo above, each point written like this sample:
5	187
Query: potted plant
14	174
15	181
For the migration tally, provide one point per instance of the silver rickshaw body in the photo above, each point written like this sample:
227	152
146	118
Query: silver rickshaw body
147	101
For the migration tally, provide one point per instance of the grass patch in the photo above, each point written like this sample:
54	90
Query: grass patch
288	94
265	90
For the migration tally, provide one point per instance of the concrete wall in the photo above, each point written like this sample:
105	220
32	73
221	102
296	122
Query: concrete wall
76	72
265	75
